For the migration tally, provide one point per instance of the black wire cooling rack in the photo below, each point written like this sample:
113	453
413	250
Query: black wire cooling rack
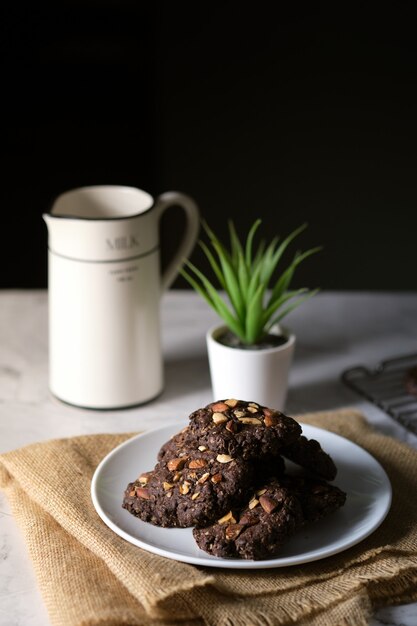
385	387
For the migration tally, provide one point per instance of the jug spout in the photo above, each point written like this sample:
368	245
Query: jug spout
48	218
53	226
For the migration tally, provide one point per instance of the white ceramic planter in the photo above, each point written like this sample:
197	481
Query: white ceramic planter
253	375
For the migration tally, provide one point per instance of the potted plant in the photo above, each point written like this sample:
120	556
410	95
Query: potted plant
250	353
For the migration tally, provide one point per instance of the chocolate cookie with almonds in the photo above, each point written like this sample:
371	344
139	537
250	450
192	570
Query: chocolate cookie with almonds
310	455
244	429
317	497
191	489
263	467
259	530
177	445
274	513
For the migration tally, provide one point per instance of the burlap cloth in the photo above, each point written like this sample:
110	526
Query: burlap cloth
90	576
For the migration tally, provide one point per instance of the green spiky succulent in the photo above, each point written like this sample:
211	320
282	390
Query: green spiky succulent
259	296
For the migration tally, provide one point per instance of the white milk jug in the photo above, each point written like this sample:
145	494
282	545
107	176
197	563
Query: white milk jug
104	289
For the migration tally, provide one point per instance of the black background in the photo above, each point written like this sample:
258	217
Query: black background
303	114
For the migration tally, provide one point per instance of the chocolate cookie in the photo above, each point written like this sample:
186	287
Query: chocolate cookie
259	530
317	497
264	467
193	488
177	445
272	516
244	429
309	454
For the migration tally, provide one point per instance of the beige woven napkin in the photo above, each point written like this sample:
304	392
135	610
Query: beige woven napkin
89	576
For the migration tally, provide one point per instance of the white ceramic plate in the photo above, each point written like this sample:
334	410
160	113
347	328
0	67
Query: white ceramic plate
359	474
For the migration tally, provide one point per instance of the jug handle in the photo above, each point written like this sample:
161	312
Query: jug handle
164	202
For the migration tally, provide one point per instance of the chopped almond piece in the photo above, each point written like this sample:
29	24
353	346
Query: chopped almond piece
219	407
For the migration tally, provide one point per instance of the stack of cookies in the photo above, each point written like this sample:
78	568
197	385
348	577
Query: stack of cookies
225	475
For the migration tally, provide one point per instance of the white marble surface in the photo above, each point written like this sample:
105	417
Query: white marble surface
334	331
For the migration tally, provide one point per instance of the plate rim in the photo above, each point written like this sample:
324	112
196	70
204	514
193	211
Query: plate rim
218	562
